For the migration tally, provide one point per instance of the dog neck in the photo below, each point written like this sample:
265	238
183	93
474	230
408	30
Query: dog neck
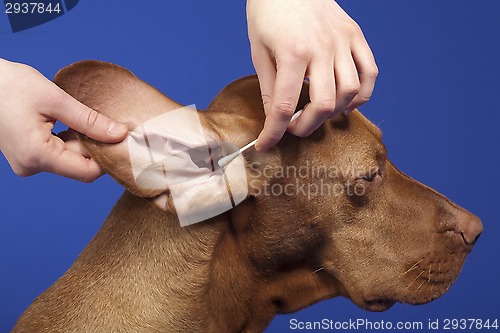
199	275
198	272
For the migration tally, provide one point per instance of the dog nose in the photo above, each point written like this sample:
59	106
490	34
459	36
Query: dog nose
469	226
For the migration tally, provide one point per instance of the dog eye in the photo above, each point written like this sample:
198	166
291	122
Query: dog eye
370	177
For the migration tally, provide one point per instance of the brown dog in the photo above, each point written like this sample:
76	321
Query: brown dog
395	241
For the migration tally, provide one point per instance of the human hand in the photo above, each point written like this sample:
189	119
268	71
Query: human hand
30	104
296	39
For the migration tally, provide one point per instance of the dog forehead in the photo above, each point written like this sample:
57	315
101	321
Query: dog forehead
346	139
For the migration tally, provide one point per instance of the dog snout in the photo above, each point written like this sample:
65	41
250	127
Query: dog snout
464	228
470	227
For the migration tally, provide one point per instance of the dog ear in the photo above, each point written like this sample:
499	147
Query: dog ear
368	124
239	112
117	93
170	155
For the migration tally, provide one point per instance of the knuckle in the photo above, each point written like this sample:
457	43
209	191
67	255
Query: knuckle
26	69
302	54
325	106
298	52
285	108
364	99
353	28
350	91
91	119
373	71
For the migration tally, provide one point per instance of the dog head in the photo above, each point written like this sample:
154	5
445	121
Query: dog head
328	213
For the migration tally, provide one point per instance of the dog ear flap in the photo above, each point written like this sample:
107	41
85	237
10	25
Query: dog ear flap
117	93
368	124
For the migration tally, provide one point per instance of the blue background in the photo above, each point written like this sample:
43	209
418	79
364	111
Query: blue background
436	100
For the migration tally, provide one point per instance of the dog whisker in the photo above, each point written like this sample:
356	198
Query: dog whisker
422	272
309	266
319	269
413	267
430	280
313	272
316	271
425	281
419	275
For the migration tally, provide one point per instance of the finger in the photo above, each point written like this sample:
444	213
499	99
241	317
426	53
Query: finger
72	165
322	95
367	71
88	121
72	143
265	68
347	80
289	81
68	163
76	147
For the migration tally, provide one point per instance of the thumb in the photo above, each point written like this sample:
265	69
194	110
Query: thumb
88	121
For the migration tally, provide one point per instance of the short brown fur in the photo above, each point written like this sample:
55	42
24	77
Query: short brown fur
398	242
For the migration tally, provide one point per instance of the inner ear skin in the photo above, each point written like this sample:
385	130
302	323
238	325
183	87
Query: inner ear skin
117	93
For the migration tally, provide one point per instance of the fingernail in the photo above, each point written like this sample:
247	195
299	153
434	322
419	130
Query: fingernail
116	129
258	147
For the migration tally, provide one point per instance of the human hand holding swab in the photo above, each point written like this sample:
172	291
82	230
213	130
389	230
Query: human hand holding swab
226	159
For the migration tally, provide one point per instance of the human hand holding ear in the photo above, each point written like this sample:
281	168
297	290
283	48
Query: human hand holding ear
30	104
296	39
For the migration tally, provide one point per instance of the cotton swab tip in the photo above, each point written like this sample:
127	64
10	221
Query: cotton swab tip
226	159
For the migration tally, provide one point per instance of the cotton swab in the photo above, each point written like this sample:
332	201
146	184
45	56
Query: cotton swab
226	159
